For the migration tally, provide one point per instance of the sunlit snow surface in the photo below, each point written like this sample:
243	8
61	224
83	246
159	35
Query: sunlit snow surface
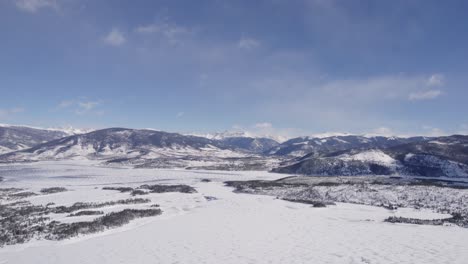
236	228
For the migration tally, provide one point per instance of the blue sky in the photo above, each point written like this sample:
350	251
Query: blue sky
289	67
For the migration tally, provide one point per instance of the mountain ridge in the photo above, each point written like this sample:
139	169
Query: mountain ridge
442	156
334	155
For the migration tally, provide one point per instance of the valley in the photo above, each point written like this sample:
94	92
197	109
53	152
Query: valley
174	198
215	223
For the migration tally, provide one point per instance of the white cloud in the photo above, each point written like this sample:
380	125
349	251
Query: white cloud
356	104
424	95
115	38
371	89
34	5
436	80
318	94
180	114
248	43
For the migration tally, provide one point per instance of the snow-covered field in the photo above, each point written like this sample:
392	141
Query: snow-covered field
234	228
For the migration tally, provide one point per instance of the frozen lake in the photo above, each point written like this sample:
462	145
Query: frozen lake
234	228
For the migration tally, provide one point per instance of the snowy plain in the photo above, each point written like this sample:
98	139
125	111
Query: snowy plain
234	228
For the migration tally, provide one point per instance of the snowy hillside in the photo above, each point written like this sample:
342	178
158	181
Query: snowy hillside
223	135
215	224
256	145
149	148
330	155
239	134
13	138
444	156
113	142
298	147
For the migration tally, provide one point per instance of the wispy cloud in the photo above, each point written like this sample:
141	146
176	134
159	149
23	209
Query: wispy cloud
357	104
336	92
435	80
424	95
115	38
248	43
180	114
33	6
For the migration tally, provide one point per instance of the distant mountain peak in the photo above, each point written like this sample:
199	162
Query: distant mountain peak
72	130
329	134
69	130
237	134
437	157
224	134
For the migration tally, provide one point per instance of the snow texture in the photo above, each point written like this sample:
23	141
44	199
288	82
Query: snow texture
233	228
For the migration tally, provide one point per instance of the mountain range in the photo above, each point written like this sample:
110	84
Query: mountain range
331	155
13	138
316	146
442	156
150	148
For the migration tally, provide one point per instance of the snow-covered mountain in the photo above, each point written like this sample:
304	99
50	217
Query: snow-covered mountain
223	135
256	145
238	134
111	142
13	138
242	140
126	144
333	155
443	156
69	130
149	148
315	146
66	130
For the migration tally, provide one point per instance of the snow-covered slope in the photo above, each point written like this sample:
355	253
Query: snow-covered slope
255	145
242	140
335	155
112	142
316	146
239	134
444	156
147	148
223	135
13	138
234	228
69	130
